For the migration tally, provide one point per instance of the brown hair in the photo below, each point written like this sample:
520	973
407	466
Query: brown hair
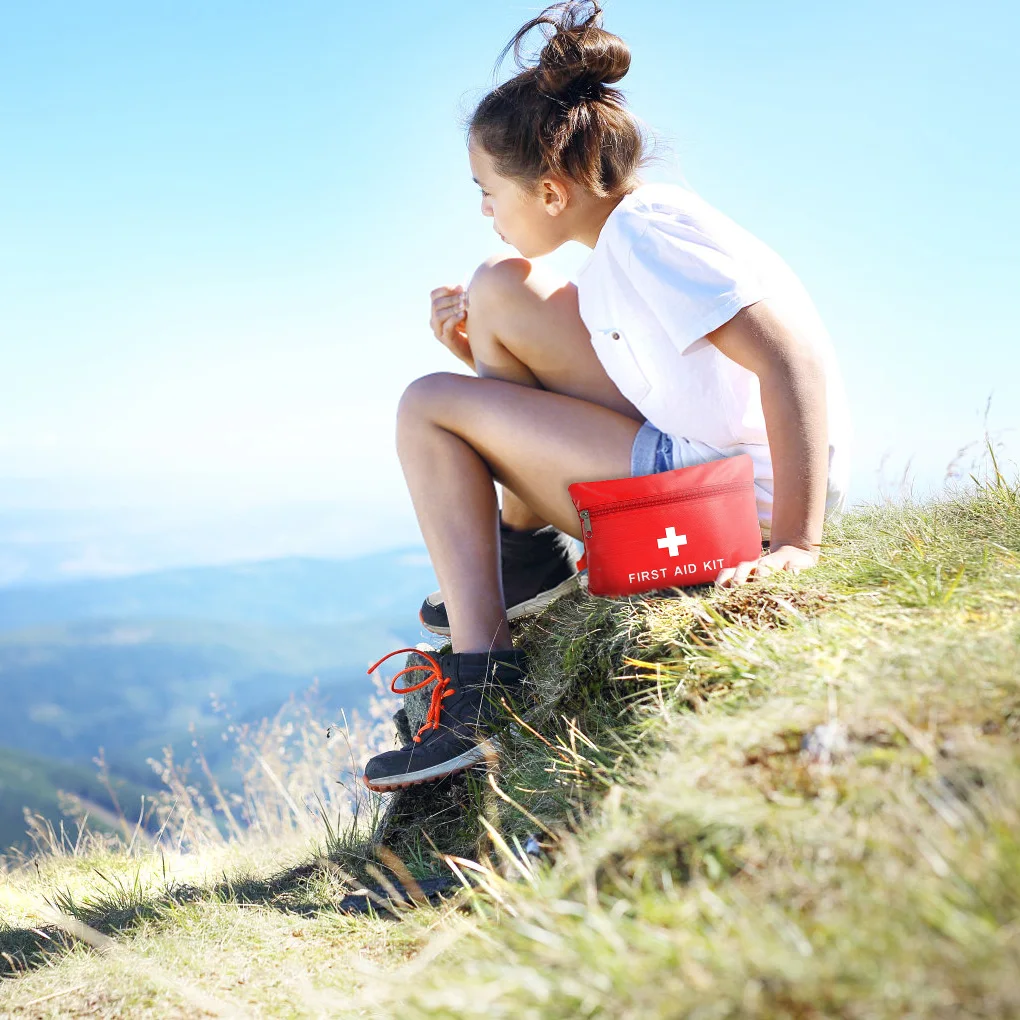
560	115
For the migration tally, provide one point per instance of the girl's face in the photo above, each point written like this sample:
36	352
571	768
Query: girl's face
527	223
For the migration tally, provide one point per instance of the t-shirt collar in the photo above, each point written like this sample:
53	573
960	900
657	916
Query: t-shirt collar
626	200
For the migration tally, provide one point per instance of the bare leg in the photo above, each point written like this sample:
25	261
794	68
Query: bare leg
515	513
524	327
455	435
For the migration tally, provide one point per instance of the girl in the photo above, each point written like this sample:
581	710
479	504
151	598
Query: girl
685	340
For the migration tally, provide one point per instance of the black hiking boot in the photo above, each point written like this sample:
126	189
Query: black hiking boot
538	566
464	714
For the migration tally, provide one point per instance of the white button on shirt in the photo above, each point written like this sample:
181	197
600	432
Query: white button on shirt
668	268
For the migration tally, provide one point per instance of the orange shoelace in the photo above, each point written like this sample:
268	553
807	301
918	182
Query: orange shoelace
440	691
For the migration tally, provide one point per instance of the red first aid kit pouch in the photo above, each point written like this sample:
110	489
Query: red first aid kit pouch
670	529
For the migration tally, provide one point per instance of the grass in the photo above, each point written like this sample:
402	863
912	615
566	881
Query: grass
797	798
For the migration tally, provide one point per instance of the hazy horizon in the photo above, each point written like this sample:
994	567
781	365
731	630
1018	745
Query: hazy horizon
48	533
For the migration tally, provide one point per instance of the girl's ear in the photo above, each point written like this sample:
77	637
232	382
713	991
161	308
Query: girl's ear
555	196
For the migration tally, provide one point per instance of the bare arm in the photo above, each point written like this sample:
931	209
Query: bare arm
792	382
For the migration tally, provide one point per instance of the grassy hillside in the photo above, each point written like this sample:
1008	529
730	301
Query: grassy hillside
797	798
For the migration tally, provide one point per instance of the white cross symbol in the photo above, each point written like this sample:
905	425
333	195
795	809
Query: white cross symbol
672	541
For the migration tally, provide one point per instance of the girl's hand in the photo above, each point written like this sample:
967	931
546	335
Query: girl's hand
449	311
786	557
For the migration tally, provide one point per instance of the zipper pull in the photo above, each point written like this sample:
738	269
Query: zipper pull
585	524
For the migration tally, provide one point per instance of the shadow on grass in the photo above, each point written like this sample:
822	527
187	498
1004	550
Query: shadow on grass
304	889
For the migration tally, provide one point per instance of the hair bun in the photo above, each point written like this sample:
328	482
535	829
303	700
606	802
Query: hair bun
580	59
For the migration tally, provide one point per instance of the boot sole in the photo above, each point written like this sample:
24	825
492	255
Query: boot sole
461	763
529	607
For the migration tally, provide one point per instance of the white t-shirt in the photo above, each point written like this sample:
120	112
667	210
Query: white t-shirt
668	268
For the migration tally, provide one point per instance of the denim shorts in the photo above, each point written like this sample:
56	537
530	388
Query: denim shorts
652	451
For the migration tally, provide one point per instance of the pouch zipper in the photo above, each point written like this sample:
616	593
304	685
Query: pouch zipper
585	524
601	509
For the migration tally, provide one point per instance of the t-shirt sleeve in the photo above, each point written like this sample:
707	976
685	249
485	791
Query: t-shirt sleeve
690	282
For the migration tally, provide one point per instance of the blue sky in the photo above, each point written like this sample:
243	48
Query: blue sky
222	222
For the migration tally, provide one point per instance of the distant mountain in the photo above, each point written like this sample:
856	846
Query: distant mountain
130	664
50	534
130	685
32	781
286	592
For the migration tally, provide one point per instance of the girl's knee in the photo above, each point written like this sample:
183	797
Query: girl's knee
497	279
419	394
423	397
